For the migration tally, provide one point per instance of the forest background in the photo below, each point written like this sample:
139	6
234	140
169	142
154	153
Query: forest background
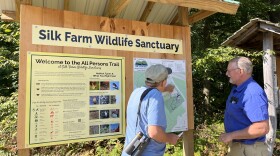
210	84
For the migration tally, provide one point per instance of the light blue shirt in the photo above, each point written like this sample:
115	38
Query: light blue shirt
152	113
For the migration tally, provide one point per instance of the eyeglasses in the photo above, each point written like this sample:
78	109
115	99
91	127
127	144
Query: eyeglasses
230	70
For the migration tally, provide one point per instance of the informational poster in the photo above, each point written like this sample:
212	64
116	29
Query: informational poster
176	102
73	98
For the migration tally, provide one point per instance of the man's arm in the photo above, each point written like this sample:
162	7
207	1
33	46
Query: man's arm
158	134
255	130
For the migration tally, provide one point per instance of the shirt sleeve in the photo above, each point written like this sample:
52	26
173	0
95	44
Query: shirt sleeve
156	113
256	107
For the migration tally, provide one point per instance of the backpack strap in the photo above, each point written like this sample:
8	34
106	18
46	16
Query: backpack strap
141	99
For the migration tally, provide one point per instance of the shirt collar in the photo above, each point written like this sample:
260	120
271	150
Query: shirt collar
243	85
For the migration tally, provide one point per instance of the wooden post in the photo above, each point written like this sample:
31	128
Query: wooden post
269	65
188	143
24	152
188	139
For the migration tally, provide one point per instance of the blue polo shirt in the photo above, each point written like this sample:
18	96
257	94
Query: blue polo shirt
151	113
246	104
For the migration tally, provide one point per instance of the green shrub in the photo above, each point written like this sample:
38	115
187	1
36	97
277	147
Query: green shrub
96	148
206	140
176	150
9	55
276	150
8	123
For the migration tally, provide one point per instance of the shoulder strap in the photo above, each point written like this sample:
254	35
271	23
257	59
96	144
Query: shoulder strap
145	93
141	99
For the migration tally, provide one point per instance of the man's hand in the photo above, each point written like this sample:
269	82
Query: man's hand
169	88
173	138
225	137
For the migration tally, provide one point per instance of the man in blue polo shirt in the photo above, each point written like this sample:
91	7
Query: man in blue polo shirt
151	120
246	114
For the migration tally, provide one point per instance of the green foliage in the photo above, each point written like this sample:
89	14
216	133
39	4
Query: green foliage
215	29
90	148
8	120
113	147
276	150
176	150
9	35
206	140
9	52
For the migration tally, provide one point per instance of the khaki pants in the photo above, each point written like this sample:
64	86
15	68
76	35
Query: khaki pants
239	149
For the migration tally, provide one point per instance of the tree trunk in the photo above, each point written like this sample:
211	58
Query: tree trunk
206	92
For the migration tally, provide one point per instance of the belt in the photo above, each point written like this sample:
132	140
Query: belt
242	144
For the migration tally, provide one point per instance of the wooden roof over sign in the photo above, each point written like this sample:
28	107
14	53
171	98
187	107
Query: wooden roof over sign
250	36
171	12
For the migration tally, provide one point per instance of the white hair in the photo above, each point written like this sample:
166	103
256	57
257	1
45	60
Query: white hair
243	63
